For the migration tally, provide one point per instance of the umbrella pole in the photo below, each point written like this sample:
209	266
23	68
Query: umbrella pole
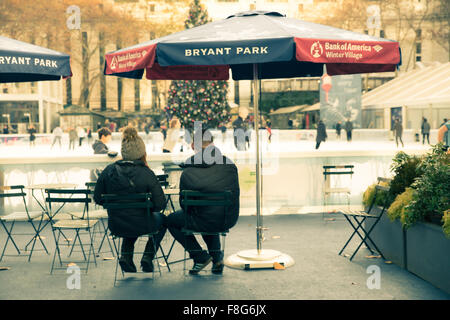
258	259
259	221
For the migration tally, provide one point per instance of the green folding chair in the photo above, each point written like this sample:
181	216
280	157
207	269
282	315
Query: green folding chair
335	172
131	201
24	216
359	217
102	216
57	199
194	199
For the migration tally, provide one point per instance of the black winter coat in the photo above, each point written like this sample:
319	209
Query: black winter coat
126	177
321	132
216	177
99	147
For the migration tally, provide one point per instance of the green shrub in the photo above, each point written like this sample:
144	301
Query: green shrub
406	169
432	196
446	225
398	207
369	194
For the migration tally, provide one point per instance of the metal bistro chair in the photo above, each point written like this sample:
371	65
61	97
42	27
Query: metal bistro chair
194	199
360	217
26	216
84	223
163	181
337	171
100	214
130	201
173	172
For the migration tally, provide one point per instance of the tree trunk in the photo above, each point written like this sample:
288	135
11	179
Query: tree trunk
101	39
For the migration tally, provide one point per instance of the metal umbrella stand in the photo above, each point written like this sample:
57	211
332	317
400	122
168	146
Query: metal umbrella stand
255	45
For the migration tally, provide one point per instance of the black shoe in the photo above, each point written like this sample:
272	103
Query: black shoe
199	266
217	267
127	264
147	264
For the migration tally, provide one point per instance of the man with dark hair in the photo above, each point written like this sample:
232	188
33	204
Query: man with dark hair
207	171
99	146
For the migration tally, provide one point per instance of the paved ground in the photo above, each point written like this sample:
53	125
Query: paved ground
319	272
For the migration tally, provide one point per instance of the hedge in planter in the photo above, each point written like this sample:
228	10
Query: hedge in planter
398	208
432	190
406	169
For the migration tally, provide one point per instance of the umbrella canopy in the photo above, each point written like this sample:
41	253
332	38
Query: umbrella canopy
21	62
282	47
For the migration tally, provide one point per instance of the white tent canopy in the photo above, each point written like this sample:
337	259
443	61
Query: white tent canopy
422	86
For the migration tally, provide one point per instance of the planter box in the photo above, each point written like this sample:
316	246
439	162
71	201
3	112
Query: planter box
428	253
389	237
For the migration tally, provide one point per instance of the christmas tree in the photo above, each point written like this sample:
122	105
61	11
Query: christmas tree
198	100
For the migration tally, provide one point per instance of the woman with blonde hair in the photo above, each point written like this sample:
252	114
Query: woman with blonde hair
173	135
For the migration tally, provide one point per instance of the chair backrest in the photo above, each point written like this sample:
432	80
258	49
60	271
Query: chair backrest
16	192
12	194
129	201
191	198
163	180
338	170
381	189
174	172
63	196
90	185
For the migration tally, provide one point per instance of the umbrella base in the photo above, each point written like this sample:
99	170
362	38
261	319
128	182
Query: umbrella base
264	259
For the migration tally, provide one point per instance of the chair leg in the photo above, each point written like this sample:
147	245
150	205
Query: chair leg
367	236
156	257
359	225
164	257
56	251
105	236
92	247
9	233
117	260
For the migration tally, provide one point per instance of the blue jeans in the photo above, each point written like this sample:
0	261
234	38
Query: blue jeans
176	221
159	224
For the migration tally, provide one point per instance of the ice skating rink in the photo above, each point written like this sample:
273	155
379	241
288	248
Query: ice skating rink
292	168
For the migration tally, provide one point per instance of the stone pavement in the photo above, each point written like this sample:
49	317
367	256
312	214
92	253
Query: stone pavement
319	272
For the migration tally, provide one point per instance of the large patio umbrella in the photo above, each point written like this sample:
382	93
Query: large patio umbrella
255	45
21	62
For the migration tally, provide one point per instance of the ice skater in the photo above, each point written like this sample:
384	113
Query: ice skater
398	131
425	131
338	130
321	133
32	131
349	128
73	136
57	136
